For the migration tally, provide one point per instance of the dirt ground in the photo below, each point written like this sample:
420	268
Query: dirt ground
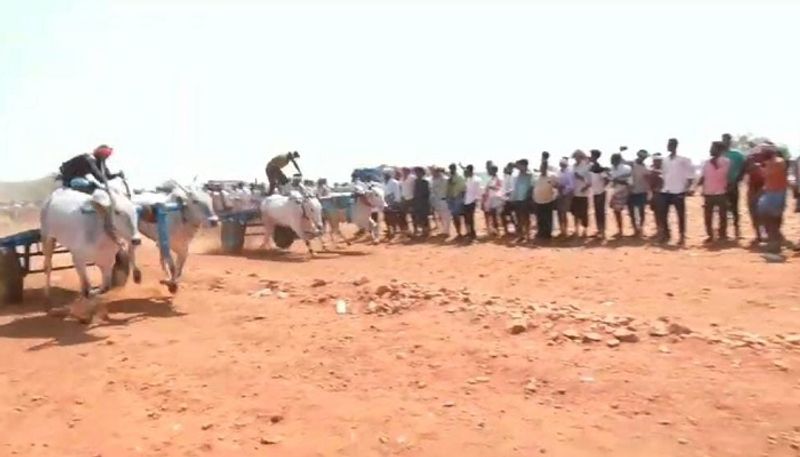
621	348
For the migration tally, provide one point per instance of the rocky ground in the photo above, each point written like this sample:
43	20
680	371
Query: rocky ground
622	349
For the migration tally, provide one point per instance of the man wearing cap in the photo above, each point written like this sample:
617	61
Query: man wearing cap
275	167
640	187
85	172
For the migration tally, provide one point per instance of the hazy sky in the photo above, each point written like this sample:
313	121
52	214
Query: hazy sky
216	88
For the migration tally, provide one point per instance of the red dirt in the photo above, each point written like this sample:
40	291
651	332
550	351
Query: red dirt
218	370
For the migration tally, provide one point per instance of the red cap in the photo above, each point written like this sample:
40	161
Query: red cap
103	151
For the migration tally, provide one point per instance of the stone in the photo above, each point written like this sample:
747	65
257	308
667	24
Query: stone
678	329
448	404
531	386
592	337
683	441
612	343
318	282
206	426
361	281
571	334
664	349
517	326
275	418
625	336
781	365
282	295
382	290
372	308
271	439
792	338
265	292
659	329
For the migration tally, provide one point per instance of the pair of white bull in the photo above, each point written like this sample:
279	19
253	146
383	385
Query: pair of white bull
74	219
302	213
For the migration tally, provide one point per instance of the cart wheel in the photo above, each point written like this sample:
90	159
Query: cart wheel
232	237
283	237
11	276
121	271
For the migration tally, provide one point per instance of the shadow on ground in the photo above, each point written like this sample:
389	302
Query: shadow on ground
66	332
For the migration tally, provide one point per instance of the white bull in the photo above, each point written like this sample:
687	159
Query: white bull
74	219
367	200
300	212
186	210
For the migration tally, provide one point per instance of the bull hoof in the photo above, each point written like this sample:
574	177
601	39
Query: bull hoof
137	276
172	287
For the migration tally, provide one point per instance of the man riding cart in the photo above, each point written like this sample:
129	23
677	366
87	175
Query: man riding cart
275	175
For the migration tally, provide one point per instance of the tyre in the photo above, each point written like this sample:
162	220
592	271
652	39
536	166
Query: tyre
283	237
11	277
121	270
232	237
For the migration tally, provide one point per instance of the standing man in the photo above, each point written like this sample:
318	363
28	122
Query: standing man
521	198
507	216
583	185
421	202
544	195
655	179
620	175
772	202
640	188
599	181
439	200
714	179
456	188
678	177
472	195
392	197
492	201
566	190
735	175
407	191
275	167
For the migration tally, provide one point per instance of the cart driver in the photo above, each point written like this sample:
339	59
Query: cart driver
275	174
86	172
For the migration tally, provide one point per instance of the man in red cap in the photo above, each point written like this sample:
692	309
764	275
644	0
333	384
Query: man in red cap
85	172
74	171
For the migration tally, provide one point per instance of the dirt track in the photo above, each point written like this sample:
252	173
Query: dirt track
227	367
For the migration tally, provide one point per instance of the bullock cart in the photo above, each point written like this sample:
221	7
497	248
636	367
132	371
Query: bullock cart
16	253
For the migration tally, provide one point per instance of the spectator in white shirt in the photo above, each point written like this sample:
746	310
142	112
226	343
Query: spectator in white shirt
471	198
599	181
545	192
393	197
507	216
407	192
678	177
580	200
492	201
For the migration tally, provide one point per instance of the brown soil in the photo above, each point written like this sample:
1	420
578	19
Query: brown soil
445	350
